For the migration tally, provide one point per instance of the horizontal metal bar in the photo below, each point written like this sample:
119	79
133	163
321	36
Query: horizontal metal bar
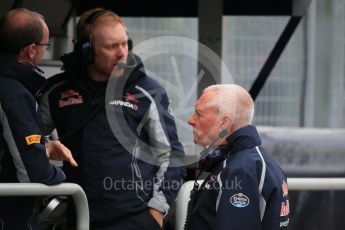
68	189
316	183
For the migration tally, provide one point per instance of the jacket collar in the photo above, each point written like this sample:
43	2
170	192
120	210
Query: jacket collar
25	74
243	138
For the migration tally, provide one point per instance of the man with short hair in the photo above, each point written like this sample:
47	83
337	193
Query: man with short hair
246	189
23	151
126	143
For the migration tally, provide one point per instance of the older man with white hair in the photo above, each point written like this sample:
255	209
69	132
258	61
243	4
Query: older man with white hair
246	189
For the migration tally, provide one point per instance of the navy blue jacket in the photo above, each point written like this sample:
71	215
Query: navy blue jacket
22	152
127	151
246	190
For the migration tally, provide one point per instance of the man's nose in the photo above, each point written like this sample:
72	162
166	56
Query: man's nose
191	120
122	51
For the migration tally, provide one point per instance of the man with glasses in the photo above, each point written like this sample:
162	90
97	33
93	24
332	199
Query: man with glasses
23	151
47	45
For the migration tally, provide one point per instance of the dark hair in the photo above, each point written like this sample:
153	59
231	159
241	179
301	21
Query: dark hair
19	28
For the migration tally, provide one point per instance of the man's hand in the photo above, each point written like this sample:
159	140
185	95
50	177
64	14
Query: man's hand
157	215
57	151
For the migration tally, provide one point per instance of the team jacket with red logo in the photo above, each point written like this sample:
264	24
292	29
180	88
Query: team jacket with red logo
246	191
128	151
22	152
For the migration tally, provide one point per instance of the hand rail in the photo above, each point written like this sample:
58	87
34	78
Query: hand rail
36	189
316	184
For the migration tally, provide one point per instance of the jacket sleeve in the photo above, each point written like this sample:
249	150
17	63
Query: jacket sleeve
167	150
22	132
238	203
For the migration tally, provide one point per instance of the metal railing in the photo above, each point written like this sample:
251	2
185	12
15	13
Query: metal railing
303	184
316	184
66	189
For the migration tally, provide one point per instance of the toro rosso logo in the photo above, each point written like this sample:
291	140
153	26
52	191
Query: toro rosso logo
239	200
130	97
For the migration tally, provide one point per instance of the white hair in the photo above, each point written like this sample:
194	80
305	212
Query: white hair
234	100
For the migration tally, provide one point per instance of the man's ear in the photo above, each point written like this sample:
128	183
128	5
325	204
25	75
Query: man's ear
31	51
28	52
227	122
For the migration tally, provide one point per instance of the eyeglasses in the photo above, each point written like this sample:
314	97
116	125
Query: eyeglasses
47	45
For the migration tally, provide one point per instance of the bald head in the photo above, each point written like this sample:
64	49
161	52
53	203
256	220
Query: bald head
19	28
232	100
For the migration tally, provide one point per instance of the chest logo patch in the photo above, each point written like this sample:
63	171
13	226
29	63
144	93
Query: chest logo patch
123	104
239	200
130	97
70	97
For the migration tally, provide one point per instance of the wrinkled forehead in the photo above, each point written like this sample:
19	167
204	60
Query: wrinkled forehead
206	102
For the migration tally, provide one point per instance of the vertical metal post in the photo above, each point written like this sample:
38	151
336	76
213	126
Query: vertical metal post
210	35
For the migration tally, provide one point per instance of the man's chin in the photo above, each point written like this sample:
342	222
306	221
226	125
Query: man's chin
117	71
198	142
